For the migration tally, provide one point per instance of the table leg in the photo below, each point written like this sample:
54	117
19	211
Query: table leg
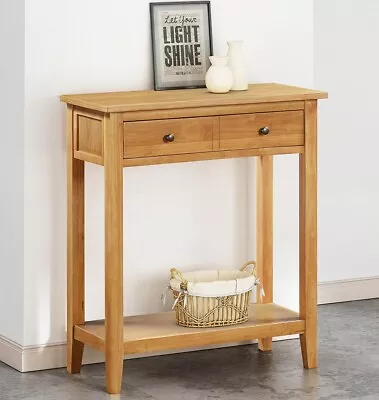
75	249
113	170
308	237
264	235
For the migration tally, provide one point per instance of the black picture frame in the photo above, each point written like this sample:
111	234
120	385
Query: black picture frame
187	73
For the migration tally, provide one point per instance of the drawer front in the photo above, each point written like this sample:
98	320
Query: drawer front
165	137
247	131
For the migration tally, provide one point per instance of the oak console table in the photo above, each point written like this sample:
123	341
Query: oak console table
118	130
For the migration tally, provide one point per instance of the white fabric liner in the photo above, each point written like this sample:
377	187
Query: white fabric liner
215	283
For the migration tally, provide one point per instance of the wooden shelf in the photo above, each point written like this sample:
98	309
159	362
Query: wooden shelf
154	332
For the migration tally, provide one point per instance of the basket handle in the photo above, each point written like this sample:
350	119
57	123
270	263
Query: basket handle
244	266
174	272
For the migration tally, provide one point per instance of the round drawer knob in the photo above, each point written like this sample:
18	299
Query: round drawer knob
264	131
169	138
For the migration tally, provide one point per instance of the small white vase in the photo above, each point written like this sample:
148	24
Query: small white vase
219	77
237	66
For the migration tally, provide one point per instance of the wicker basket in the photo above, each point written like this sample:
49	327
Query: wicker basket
204	299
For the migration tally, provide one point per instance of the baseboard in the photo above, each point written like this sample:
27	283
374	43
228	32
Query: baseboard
348	290
50	356
11	353
36	358
54	356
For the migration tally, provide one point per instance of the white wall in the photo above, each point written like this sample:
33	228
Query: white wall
347	65
11	168
187	215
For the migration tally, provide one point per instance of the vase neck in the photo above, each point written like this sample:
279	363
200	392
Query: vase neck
235	43
219	61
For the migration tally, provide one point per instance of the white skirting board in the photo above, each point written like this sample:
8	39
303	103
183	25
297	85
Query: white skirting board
348	290
27	359
33	358
11	353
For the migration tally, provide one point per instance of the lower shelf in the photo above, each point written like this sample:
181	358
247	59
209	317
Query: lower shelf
155	332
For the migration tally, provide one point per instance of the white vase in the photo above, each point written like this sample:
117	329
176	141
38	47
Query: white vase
237	65
219	77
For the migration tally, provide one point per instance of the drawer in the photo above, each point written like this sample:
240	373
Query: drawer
170	136
247	131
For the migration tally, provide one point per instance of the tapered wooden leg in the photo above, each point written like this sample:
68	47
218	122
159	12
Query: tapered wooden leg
308	237
75	249
113	170
265	234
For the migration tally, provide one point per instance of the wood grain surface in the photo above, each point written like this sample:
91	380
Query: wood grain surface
151	100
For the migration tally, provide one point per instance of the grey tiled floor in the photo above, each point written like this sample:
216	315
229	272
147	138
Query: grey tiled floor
348	369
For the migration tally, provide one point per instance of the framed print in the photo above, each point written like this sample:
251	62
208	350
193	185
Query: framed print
181	35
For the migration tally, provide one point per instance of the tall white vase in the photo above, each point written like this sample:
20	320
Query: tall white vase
237	65
219	77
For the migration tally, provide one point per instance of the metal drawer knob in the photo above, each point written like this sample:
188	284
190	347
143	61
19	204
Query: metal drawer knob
170	137
264	131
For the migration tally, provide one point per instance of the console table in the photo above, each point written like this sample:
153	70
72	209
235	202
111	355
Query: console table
118	130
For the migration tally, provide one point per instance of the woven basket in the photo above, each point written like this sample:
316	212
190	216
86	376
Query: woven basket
212	309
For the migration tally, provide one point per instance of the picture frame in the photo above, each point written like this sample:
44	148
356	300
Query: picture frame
181	37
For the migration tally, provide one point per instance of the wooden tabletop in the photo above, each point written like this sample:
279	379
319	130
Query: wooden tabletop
188	98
